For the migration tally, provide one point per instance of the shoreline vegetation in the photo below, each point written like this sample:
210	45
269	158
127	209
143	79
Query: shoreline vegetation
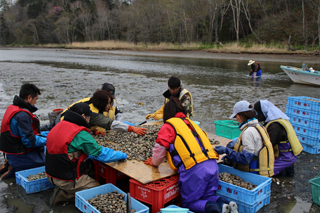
232	47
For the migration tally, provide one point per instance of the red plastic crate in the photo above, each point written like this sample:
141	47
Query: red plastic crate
107	173
156	193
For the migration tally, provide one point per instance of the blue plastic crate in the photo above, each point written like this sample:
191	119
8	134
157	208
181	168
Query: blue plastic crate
302	130
311	149
251	208
305	113
35	185
174	206
304	121
242	194
84	195
311	141
304	102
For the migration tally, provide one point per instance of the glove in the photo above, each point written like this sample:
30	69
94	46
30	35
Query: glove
44	133
109	155
231	143
251	72
220	149
149	162
157	115
97	132
137	130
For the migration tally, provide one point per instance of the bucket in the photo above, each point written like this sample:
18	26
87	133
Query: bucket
54	114
315	189
172	210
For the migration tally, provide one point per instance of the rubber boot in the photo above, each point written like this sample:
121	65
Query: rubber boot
290	171
225	208
59	195
4	167
233	207
8	174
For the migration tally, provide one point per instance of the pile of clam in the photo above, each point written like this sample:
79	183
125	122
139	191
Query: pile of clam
110	202
310	99
37	176
137	147
235	180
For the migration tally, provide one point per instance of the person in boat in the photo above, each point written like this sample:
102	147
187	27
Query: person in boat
175	90
70	151
284	140
253	151
100	102
176	133
20	139
255	69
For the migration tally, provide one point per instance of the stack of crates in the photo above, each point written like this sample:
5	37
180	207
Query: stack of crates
304	114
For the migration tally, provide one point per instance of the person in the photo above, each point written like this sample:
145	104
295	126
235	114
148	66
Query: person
176	135
175	90
255	69
114	112
284	140
20	139
70	151
99	103
253	150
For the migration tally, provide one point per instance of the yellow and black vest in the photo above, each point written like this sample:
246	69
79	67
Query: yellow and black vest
296	147
265	158
187	146
182	93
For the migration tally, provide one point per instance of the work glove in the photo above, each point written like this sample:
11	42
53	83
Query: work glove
149	162
231	143
137	130
220	149
109	155
97	132
157	115
44	133
251	72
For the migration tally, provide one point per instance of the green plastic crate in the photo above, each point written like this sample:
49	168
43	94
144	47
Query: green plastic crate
315	189
227	128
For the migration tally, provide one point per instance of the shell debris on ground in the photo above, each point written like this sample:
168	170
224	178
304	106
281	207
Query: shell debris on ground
110	202
137	147
235	180
37	176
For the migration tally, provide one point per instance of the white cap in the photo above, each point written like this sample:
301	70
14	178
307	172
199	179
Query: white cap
241	106
250	62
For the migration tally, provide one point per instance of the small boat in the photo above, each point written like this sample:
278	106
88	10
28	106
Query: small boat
302	76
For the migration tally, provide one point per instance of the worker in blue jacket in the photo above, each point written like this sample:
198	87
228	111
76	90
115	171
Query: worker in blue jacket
20	137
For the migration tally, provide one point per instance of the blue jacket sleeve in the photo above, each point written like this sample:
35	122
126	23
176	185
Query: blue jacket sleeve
21	125
109	155
242	157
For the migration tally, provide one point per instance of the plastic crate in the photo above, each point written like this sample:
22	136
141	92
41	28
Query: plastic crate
241	194
305	113
302	130
227	128
35	185
108	173
304	121
252	208
311	149
304	102
174	206
83	205
156	193
311	141
315	189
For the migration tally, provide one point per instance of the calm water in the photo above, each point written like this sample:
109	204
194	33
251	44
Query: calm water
65	76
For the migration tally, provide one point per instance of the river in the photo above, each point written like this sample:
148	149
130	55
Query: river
216	82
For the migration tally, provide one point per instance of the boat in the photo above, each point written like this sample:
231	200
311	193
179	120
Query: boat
302	76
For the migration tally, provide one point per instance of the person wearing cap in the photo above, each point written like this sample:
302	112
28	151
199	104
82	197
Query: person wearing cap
284	140
190	153
114	112
100	102
70	151
175	90
253	150
255	69
20	139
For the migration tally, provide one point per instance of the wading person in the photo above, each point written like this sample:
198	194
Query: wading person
175	90
70	148
20	137
198	180
253	150
284	140
255	69
100	102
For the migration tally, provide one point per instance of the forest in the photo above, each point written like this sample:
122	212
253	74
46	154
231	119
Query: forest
293	22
